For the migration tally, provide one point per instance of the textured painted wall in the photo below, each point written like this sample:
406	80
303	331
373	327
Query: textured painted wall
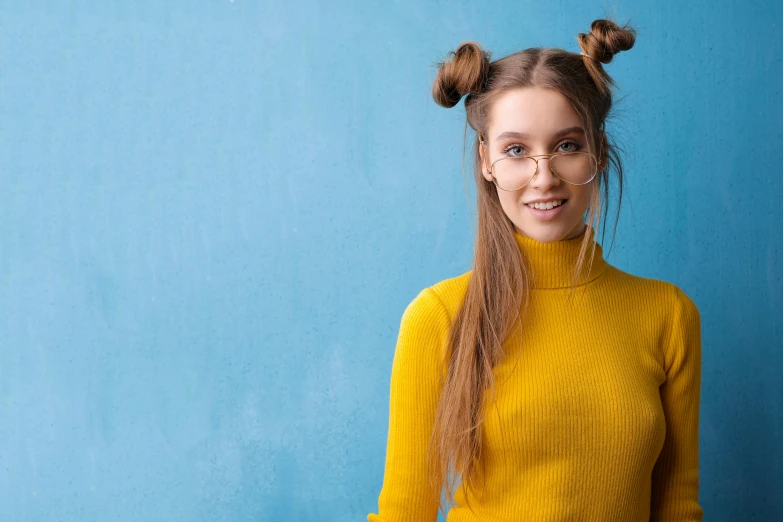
213	216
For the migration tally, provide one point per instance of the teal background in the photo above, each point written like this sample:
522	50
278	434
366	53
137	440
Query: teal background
214	213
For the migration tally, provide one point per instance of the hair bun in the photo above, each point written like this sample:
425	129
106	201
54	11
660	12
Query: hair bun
464	71
606	39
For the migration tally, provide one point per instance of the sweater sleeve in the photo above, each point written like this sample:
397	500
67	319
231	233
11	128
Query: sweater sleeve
414	389
675	476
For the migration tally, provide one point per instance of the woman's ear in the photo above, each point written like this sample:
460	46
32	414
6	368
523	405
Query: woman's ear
603	158
482	152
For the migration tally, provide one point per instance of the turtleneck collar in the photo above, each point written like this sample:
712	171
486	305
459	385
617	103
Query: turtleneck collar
553	263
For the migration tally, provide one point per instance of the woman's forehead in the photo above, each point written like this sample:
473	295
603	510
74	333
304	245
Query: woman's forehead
534	112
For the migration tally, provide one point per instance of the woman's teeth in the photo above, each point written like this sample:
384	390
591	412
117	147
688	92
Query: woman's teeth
546	206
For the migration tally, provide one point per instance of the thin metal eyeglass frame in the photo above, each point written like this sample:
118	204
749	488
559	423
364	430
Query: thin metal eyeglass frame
549	157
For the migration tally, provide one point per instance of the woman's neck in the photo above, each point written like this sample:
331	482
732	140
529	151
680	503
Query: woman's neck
553	263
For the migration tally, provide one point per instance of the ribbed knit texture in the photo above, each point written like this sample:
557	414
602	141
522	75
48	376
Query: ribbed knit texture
597	409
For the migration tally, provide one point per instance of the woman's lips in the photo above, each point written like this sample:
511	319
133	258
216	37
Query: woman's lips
547	215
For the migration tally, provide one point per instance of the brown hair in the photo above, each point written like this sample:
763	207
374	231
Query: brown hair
499	281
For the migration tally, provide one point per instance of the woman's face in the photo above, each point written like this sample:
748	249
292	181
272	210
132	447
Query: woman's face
540	114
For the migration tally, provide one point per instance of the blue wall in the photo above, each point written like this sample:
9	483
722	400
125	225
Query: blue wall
213	216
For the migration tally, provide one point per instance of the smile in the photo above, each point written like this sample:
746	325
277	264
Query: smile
546	214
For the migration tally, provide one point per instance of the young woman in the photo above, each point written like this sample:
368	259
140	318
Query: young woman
553	384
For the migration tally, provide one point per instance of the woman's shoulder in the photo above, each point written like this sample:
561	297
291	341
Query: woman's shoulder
648	289
446	295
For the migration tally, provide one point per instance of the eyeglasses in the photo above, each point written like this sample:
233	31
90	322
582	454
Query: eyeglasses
511	173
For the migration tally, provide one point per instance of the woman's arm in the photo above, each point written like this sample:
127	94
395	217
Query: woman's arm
406	494
675	478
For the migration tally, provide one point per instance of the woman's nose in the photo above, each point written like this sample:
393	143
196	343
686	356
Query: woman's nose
545	178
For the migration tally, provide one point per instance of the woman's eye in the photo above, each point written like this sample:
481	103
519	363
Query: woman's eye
508	150
575	146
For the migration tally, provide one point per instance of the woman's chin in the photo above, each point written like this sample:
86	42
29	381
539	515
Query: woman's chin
550	231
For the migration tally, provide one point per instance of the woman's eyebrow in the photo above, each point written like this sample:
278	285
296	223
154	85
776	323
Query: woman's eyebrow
524	136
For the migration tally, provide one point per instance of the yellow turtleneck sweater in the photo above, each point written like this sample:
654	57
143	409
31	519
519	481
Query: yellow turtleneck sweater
597	422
